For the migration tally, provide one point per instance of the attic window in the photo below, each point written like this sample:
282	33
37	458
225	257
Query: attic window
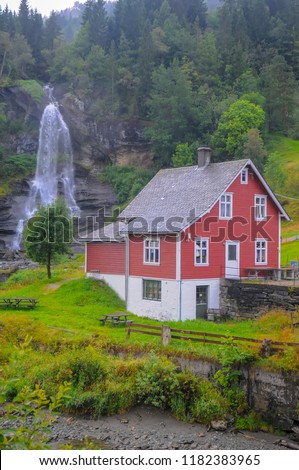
260	207
244	176
226	206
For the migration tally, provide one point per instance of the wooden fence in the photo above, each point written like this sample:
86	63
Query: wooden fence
167	334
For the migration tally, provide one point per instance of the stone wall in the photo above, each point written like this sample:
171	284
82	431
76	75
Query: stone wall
247	300
274	395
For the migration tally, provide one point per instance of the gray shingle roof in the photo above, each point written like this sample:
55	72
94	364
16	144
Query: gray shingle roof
109	233
185	193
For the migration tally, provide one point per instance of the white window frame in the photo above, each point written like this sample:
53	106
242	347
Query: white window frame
151	246
244	176
227	200
259	248
198	246
260	208
158	298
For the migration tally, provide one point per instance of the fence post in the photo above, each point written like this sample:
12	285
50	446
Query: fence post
166	335
128	329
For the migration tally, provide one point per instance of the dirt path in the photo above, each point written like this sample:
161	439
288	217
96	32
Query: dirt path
55	285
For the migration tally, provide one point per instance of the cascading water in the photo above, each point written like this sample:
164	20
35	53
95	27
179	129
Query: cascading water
54	166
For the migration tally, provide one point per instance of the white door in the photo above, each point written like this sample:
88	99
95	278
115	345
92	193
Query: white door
232	260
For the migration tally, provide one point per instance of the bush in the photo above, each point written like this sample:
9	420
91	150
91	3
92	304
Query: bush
157	383
19	166
209	405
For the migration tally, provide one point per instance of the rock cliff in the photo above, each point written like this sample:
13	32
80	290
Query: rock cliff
94	146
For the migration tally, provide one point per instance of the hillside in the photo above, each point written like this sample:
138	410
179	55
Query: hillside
288	193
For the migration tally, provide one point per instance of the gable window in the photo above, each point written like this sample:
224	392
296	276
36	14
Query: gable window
151	289
202	251
260	207
244	176
226	206
151	252
261	248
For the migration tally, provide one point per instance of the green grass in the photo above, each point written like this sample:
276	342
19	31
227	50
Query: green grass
289	252
288	150
71	301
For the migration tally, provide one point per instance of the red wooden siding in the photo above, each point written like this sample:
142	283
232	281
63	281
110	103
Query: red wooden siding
243	225
106	258
167	267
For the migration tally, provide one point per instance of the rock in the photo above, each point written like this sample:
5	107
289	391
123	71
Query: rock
220	425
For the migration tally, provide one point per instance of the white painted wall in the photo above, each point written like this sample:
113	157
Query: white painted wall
115	281
169	307
188	300
166	309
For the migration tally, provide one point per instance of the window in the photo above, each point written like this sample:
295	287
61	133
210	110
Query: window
244	176
260	207
151	290
202	251
226	203
261	251
152	251
232	252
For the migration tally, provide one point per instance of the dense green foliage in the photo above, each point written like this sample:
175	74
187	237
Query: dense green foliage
127	181
189	73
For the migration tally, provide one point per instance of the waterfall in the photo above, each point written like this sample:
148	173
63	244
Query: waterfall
54	166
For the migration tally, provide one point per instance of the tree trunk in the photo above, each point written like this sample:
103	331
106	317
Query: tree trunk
49	264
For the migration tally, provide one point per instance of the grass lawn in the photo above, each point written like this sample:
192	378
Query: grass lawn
71	302
289	252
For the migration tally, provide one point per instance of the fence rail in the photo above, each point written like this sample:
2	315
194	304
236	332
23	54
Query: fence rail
166	335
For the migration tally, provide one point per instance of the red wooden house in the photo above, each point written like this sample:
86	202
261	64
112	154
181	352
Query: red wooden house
185	231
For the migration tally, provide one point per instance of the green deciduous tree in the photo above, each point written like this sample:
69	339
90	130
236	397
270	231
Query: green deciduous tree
233	127
48	234
183	156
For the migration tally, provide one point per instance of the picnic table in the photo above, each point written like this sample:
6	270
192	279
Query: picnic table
113	319
17	302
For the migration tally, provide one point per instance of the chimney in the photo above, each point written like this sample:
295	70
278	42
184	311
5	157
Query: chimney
204	156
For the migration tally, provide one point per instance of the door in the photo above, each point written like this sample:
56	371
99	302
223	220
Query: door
232	260
201	301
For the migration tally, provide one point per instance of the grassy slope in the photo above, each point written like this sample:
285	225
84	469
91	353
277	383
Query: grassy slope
288	149
70	301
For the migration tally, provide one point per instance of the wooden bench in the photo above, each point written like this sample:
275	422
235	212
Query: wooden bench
18	302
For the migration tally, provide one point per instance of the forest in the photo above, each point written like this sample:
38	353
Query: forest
226	77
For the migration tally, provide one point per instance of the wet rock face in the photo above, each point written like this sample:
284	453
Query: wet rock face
11	207
94	146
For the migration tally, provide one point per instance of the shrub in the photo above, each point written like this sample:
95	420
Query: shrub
157	383
252	422
209	405
19	166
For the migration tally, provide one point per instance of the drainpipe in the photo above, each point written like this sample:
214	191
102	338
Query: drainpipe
127	264
179	270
